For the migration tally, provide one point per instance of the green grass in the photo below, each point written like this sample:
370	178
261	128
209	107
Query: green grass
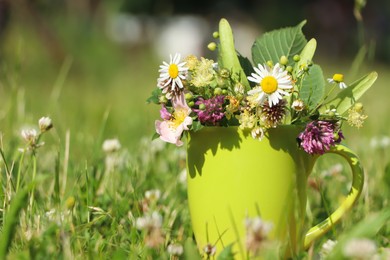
84	209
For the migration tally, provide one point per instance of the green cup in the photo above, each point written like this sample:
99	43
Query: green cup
232	176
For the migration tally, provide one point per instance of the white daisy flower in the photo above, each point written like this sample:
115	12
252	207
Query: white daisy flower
272	84
338	79
171	75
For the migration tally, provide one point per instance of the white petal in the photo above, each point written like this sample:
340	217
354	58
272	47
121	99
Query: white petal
168	82
179	83
254	91
253	79
173	84
261	72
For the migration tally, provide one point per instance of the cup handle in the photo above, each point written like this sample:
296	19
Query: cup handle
357	186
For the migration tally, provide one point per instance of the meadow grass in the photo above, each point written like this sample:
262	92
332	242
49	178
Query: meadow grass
69	199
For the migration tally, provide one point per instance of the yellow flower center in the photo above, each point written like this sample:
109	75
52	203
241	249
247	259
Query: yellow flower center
269	84
338	78
173	71
178	117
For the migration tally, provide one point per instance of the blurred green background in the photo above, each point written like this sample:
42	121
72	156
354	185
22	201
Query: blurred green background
91	64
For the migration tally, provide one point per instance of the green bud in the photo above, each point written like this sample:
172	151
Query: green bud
191	103
212	46
296	57
283	60
188	96
217	91
309	63
270	63
289	69
224	92
331	113
305	67
336	136
202	106
358	107
215	35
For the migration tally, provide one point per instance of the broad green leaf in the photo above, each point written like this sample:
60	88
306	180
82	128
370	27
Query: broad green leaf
348	96
190	250
306	54
313	86
226	253
272	45
227	53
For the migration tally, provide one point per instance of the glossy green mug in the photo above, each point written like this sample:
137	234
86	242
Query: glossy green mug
232	176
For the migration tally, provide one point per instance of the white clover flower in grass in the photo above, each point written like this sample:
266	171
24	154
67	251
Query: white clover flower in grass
360	248
30	136
338	79
149	222
327	248
209	250
45	124
257	232
153	195
171	76
273	84
111	145
175	249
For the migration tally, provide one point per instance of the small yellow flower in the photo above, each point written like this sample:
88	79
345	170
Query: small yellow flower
192	61
355	115
203	73
234	105
246	119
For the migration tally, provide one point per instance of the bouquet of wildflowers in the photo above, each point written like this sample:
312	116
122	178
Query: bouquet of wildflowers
281	86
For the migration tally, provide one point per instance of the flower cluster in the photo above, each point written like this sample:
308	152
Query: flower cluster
281	86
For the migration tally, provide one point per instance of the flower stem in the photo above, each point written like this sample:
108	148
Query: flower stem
33	180
19	170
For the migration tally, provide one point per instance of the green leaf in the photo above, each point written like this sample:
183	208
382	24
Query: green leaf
190	250
313	87
196	126
306	54
11	220
272	45
227	53
348	96
154	98
155	136
226	253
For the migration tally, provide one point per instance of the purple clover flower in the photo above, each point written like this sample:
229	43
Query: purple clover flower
319	136
213	110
